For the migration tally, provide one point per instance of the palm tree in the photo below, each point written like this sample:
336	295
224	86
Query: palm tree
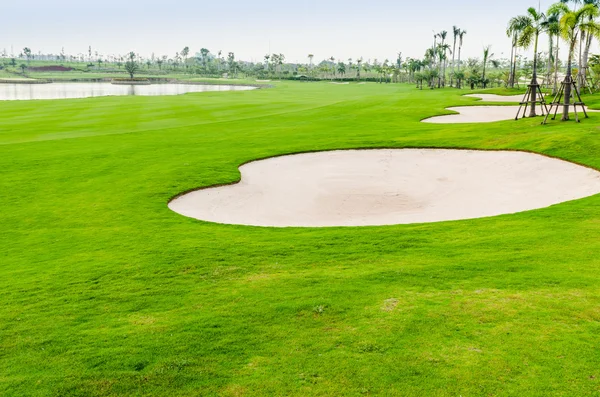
219	59
280	62
461	36
443	51
534	25
459	76
442	66
556	10
332	59
486	56
588	38
552	27
267	64
184	53
514	29
358	66
435	37
27	52
572	26
455	32
341	68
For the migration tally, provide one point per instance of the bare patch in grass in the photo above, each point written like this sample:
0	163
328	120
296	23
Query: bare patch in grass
389	304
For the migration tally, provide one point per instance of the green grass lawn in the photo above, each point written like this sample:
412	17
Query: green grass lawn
106	292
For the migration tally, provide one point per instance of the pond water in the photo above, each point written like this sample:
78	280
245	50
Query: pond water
16	92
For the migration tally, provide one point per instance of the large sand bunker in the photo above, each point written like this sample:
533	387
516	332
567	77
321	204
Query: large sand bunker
384	187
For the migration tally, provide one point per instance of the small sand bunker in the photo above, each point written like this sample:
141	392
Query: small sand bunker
476	114
385	187
497	98
485	114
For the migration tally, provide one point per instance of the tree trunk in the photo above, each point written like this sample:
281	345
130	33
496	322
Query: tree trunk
453	57
586	56
580	62
568	78
483	77
514	65
510	73
556	63
534	82
549	64
459	81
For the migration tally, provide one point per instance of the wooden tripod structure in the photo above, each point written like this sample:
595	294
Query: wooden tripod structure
534	90
587	82
559	101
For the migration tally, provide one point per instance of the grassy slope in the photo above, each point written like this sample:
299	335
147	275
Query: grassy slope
105	291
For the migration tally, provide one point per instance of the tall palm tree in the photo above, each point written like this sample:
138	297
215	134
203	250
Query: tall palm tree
572	25
358	67
535	23
310	65
204	52
552	27
185	52
461	36
430	58
435	37
455	32
486	56
267	64
556	10
332	59
588	42
514	29
442	66
280	62
585	40
443	50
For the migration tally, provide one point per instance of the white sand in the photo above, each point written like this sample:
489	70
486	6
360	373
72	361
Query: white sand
475	114
488	114
16	79
383	187
497	98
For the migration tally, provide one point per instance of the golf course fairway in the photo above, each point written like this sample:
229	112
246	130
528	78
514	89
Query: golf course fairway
105	291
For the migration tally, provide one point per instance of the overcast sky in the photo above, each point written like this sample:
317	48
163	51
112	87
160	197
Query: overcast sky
343	29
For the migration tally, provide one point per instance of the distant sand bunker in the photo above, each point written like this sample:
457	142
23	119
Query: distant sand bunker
497	98
484	114
475	114
384	187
